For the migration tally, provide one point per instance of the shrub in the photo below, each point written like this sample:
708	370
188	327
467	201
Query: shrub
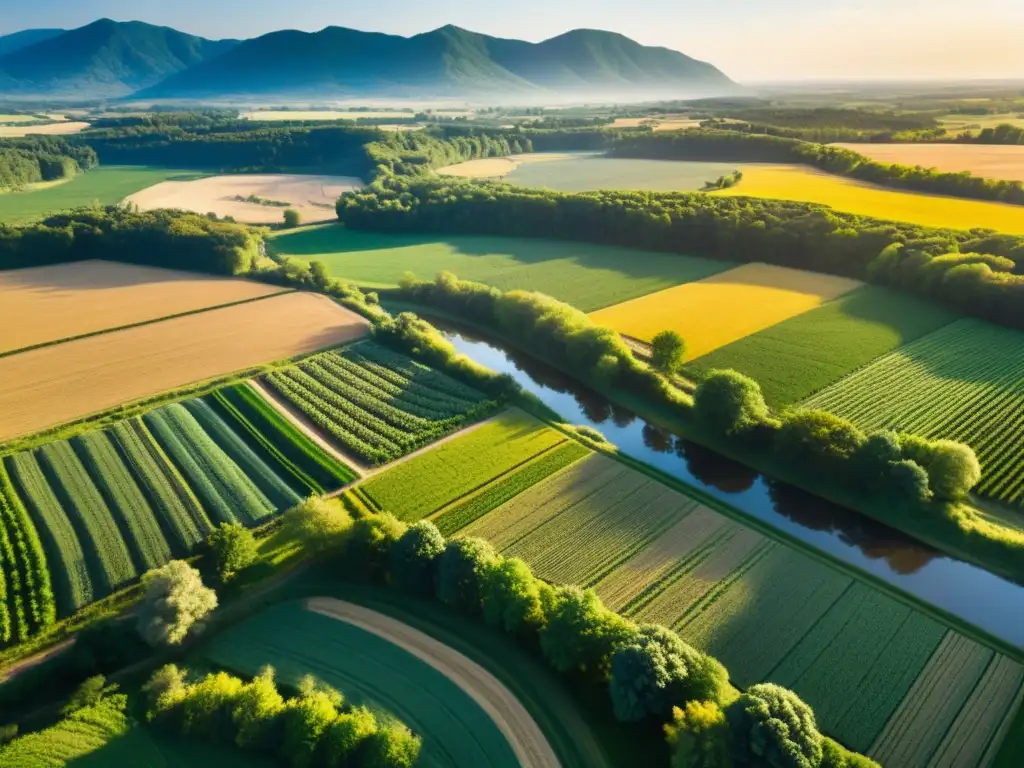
207	707
257	705
667	352
347	734
174	601
414	558
292	218
164	691
511	596
874	459
89	693
367	545
233	547
729	403
317	524
699	736
579	633
952	468
817	440
393	746
909	479
835	756
460	573
771	726
303	722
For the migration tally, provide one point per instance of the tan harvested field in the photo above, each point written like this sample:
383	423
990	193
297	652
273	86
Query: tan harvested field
320	114
312	196
495	167
988	161
45	304
9	118
65	382
49	129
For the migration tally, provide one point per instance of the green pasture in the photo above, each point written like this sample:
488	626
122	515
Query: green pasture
589	173
589	277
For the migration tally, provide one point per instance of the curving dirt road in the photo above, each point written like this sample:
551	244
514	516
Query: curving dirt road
524	736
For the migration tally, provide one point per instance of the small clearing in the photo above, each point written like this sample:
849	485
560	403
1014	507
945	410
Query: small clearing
312	196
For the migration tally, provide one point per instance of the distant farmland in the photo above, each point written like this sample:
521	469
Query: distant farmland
802	183
964	382
987	161
64	382
45	304
717	310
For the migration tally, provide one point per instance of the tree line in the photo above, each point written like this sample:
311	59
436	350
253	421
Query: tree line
725	145
416	153
976	272
35	159
163	238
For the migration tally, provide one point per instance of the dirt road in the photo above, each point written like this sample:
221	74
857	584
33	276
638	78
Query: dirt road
524	736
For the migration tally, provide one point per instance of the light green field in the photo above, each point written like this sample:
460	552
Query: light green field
369	671
105	185
584	174
799	356
589	277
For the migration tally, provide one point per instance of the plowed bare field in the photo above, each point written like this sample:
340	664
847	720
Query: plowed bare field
61	383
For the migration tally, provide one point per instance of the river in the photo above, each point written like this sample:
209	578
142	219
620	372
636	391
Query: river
985	600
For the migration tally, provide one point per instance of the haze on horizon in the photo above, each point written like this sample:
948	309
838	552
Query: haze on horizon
750	40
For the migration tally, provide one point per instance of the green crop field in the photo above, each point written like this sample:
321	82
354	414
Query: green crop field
589	173
769	612
370	671
26	578
429	482
964	382
105	185
376	404
589	277
799	356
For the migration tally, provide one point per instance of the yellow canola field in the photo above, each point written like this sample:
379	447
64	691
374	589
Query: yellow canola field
718	310
800	182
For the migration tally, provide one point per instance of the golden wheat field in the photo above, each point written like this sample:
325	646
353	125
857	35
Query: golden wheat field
45	304
991	161
800	182
45	387
720	309
495	167
47	129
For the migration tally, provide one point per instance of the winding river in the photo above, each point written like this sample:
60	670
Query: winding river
985	600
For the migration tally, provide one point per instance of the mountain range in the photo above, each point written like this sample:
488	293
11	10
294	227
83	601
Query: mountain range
112	59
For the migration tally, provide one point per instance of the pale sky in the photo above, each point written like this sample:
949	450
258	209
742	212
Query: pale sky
750	40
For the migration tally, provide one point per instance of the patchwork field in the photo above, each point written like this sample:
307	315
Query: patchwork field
964	382
48	129
377	405
866	662
499	167
395	669
312	196
975	123
803	183
988	161
45	304
717	310
587	276
106	185
317	114
49	386
805	353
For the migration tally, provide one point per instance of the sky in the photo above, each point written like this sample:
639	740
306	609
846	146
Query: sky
750	40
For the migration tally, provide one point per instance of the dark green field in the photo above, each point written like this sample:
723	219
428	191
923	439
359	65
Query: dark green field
587	276
796	358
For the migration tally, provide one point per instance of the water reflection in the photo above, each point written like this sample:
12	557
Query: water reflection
975	595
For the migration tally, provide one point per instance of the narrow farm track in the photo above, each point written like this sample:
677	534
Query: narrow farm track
524	735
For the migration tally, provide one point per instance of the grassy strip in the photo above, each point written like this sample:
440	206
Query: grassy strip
509	486
142	323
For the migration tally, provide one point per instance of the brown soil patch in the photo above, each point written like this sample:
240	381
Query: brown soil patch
61	383
45	304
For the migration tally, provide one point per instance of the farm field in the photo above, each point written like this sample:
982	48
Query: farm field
312	196
428	482
799	356
975	123
988	161
106	185
49	386
964	382
498	167
378	665
587	174
587	276
720	309
661	123
67	300
377	405
62	128
806	184
316	114
863	660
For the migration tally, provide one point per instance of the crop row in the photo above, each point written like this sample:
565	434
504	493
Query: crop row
412	371
509	486
964	382
29	595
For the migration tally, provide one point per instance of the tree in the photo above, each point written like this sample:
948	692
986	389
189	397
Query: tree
317	524
667	352
292	218
347	734
233	547
579	633
729	402
367	545
953	469
771	726
392	746
174	601
164	691
460	573
699	736
254	710
207	706
304	720
511	596
318	275
414	558
910	480
874	459
817	440
87	694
